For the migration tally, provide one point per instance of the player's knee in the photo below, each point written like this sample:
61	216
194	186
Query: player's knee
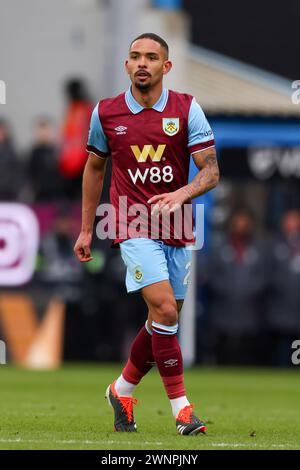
166	312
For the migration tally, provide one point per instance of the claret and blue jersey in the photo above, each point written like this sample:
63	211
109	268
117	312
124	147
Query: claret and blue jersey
150	148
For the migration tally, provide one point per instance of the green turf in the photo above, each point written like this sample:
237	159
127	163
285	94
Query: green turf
65	409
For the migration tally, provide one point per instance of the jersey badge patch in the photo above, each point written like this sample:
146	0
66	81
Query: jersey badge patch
170	125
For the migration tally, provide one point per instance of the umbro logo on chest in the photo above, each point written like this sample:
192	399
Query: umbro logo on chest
120	130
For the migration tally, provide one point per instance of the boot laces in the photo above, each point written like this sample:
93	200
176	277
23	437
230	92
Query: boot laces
127	406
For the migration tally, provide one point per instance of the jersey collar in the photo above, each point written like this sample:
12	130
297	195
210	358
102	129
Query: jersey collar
136	108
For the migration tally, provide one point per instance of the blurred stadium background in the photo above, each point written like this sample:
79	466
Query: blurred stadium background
57	60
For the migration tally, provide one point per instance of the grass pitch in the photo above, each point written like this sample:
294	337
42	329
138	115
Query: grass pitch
65	409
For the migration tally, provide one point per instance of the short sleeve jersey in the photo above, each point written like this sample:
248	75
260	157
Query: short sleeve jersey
150	150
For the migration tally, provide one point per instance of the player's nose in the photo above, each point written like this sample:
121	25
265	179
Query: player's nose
142	62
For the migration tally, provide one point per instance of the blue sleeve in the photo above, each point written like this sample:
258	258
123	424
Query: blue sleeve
199	130
97	140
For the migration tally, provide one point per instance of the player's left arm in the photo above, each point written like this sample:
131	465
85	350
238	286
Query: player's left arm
201	146
208	176
206	179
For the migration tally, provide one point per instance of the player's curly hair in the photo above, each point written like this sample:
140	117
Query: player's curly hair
155	38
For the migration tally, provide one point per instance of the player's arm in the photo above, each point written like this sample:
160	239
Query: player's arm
208	176
201	146
206	179
92	186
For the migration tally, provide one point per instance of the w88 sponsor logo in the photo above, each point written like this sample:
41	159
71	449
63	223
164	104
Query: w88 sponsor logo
154	174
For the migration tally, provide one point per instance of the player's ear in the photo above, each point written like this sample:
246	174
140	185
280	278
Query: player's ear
126	66
167	66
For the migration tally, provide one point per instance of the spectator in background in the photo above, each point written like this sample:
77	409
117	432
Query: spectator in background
284	301
237	275
44	178
10	167
73	155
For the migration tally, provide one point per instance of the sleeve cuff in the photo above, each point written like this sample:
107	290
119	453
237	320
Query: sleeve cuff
98	153
201	146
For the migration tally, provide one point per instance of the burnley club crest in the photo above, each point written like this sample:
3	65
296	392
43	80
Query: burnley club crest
170	125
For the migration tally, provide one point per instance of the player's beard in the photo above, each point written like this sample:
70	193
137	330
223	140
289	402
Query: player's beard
143	87
146	87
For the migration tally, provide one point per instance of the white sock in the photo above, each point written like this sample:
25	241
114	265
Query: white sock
124	388
177	405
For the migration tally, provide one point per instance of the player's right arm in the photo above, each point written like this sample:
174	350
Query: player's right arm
92	185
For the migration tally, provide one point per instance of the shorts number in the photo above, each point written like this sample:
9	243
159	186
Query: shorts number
188	274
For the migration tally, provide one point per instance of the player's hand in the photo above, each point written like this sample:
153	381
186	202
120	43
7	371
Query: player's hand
168	202
82	247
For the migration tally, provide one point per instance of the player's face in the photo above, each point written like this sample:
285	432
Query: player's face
146	64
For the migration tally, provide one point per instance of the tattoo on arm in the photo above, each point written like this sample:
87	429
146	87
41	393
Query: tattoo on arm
207	178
